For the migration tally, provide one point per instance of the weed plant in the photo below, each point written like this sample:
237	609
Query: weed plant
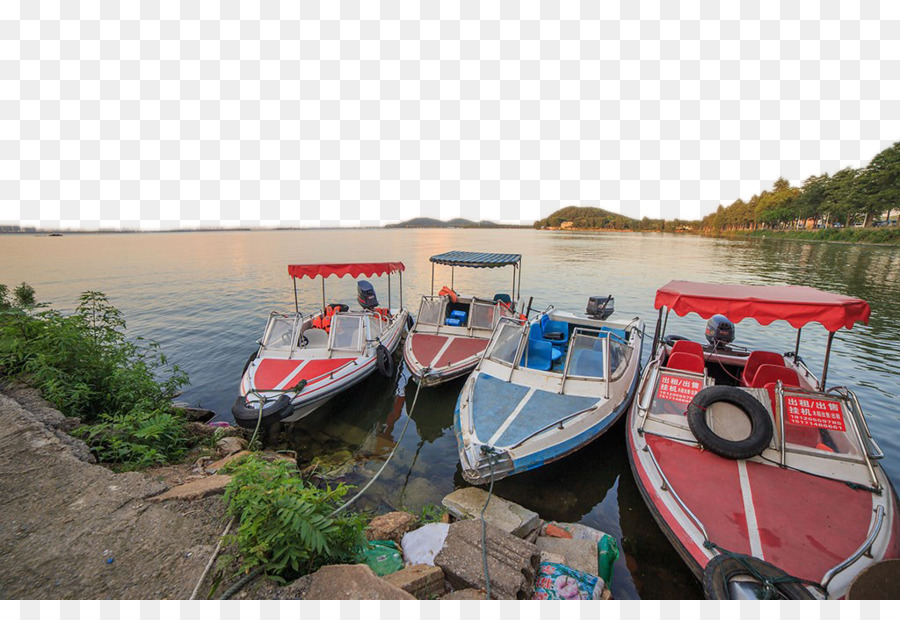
84	364
285	524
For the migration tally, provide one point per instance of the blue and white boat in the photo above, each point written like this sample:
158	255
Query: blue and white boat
544	388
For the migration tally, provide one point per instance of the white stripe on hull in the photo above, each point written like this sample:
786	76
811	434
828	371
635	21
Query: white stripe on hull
750	511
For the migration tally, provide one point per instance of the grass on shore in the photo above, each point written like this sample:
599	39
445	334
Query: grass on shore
888	235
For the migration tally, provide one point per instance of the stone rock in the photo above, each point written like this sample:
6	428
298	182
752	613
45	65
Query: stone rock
215	467
512	562
467	594
468	502
422	581
391	526
353	582
552	558
579	554
195	414
195	489
231	445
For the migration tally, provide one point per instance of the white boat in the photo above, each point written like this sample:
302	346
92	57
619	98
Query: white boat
452	330
543	389
304	360
765	481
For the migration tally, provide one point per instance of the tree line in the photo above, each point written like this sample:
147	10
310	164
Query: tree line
849	196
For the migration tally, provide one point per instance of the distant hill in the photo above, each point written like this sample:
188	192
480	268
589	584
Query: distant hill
581	218
428	222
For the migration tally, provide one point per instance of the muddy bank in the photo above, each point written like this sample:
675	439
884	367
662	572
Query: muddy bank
70	529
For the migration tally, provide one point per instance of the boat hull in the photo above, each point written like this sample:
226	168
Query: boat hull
433	359
803	524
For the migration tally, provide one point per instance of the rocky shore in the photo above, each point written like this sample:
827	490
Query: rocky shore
72	529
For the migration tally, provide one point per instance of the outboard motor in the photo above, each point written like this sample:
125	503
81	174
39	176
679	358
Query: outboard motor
601	307
719	331
365	295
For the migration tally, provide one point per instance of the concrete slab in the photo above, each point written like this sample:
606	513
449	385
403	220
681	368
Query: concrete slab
467	503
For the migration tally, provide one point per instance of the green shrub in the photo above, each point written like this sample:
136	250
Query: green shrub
87	368
285	525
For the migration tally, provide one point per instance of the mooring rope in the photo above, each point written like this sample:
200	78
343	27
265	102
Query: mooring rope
492	454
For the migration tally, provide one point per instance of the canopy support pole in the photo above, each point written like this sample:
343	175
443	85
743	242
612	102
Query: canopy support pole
797	346
401	289
519	287
452	281
296	303
432	279
389	291
323	295
513	292
656	334
827	355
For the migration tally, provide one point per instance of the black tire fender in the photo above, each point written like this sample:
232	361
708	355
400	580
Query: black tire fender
409	322
383	361
761	430
724	568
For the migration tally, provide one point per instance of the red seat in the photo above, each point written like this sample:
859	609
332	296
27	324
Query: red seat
757	359
687	346
770	373
685	361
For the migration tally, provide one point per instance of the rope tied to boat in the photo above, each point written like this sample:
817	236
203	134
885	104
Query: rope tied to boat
492	454
769	583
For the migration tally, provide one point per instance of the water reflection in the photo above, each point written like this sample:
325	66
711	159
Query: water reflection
205	298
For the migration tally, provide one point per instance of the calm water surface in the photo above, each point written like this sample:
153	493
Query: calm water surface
205	297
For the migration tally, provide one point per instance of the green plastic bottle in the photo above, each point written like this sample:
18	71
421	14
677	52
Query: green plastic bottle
607	554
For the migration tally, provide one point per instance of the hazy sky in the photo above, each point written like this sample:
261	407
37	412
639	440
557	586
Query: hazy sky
170	114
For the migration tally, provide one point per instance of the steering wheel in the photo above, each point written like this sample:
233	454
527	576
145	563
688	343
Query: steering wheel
671	339
303	340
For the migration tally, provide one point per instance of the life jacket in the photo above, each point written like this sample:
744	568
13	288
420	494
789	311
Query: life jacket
384	312
449	292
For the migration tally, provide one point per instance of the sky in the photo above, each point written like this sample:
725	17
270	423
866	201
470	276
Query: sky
182	115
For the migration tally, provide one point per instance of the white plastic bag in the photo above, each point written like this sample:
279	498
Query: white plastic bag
421	545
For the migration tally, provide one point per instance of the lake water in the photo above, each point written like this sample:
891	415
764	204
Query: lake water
205	298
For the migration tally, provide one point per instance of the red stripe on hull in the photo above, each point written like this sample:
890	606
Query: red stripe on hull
425	347
807	524
270	373
710	486
461	348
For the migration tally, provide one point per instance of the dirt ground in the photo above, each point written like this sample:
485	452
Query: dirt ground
73	530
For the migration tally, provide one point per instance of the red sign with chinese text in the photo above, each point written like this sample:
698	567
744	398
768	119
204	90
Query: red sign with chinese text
678	389
815	412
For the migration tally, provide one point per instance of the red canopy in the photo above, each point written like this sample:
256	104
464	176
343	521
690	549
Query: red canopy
798	305
343	269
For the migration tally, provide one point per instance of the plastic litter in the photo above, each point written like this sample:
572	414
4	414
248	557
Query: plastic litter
558	582
421	545
383	557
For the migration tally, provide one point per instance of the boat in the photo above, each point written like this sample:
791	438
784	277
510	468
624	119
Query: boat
545	387
303	360
452	330
765	480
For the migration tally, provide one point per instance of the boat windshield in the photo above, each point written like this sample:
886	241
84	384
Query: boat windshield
346	332
483	314
588	350
819	423
430	312
506	342
279	332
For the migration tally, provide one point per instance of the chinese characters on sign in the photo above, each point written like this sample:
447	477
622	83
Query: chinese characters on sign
678	389
814	412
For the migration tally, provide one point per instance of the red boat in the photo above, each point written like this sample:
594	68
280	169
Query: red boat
766	482
452	330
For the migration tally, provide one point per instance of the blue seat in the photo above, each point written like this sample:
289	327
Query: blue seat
554	327
503	297
617	334
540	355
587	363
458	314
452	321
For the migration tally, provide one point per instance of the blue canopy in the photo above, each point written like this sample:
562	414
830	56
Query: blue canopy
458	258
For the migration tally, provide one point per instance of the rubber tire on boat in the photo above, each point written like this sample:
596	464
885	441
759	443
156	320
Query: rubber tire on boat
383	361
249	361
409	322
760	424
723	568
